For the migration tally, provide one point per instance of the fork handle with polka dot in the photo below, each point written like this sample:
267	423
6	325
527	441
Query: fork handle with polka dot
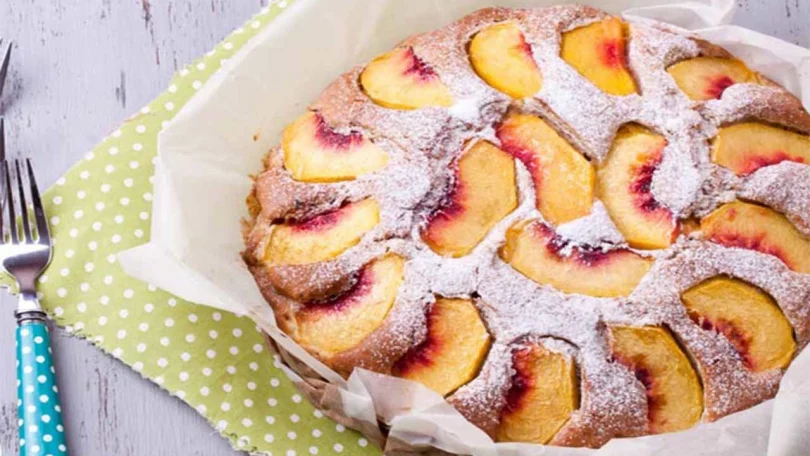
40	414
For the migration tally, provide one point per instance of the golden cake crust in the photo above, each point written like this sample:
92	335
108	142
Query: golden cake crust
424	147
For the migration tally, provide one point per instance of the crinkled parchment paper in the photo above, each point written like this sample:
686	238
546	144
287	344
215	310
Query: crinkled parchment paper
207	153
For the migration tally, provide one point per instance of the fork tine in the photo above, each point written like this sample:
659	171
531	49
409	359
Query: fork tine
39	211
3	193
12	218
23	205
4	66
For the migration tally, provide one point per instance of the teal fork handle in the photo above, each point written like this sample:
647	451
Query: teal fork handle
40	414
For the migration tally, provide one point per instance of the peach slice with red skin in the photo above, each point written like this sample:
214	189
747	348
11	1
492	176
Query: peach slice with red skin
748	317
598	52
748	146
625	188
754	227
674	391
502	57
563	178
543	395
534	249
706	78
485	191
447	358
315	152
337	325
399	79
322	237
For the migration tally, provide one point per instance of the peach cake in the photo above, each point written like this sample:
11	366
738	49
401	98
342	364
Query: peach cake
571	226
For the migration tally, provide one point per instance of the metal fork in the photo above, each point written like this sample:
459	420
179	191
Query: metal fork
4	65
25	254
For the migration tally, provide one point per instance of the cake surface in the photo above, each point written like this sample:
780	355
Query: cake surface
572	226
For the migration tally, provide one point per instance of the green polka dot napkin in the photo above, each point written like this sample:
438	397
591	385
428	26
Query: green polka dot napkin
214	361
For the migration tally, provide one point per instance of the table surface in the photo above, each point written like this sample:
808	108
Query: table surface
79	68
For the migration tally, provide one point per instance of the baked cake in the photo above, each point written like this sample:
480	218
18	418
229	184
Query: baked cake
572	226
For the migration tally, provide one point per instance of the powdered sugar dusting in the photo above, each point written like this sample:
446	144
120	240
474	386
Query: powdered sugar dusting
422	146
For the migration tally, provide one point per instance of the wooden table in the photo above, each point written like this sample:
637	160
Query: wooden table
80	67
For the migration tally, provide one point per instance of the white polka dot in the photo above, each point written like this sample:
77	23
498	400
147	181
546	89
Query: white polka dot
237	332
251	386
338	448
313	450
211	354
196	85
225	406
272	402
81	307
227	45
173	88
269	438
183	376
274	382
92	245
112	150
258	348
29	389
254	366
190	338
116	238
81	194
58	311
216	316
168	322
57	200
295	418
73	232
169	106
213	334
109	169
55	220
255	24
162	362
316	433
227	387
61	292
45	418
201	66
164	341
234	350
123	313
248	403
84	174
84	286
291	435
40	359
172	302
207	371
181	394
47	438
121	334
192	318
128	182
140	128
137	147
138	366
141	347
290	453
205	391
318	413
145	110
143	327
185	356
105	188
247	422
108	279
148	307
231	369
44	398
296	398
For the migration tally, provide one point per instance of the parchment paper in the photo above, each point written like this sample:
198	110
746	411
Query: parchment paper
201	180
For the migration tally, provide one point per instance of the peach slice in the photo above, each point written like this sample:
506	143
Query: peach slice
747	316
340	324
484	193
706	78
315	152
746	147
597	51
322	237
503	58
674	391
399	79
563	178
755	227
543	395
448	358
625	188
535	251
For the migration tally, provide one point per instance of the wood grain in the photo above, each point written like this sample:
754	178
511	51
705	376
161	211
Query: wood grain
80	67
